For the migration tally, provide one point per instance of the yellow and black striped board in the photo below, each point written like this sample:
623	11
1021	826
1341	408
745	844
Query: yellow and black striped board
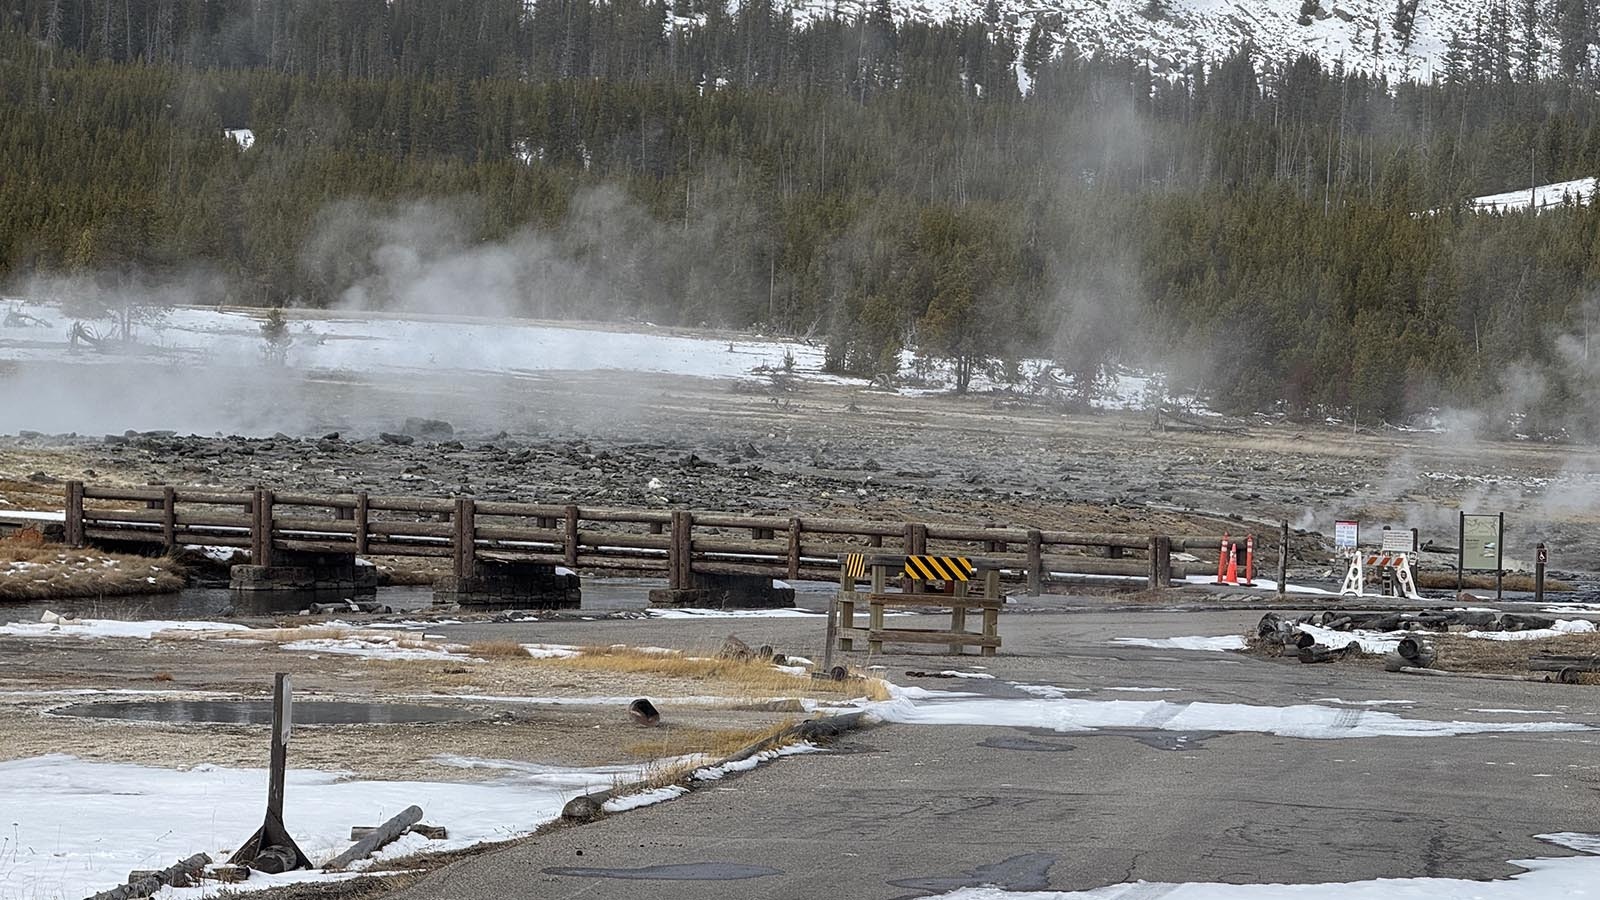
939	568
855	565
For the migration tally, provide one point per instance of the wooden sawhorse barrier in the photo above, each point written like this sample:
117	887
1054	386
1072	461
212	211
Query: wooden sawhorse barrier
973	584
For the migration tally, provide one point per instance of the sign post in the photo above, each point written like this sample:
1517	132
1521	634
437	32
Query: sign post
1542	556
271	849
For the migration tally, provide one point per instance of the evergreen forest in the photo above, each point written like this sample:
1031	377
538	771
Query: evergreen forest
1283	235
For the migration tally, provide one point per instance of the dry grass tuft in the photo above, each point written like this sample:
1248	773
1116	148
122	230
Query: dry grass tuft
31	569
668	741
497	649
752	677
1514	581
161	676
1457	653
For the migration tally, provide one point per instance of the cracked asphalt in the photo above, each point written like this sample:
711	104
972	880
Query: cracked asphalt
903	811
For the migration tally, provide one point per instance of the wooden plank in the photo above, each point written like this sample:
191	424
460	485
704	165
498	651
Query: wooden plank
91	492
325	526
410	504
936	601
492	532
211	519
323	501
213	498
926	636
941	532
301	545
109	516
391	528
385	548
726	520
74	514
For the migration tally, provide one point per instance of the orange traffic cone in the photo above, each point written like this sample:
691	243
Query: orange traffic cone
1222	561
1250	559
1233	563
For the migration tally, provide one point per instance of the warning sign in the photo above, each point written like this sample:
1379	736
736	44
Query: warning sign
938	568
1346	535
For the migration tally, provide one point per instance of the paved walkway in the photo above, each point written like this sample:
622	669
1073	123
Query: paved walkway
907	811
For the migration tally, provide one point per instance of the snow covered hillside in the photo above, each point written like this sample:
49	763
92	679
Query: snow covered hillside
1174	33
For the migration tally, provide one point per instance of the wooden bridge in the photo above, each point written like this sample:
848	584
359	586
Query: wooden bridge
678	544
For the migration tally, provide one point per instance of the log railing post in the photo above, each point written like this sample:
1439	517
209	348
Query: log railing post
1160	561
570	540
169	519
679	550
794	548
261	529
74	514
464	537
362	512
1035	563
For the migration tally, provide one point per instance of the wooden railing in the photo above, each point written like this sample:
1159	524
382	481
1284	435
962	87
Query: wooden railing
673	543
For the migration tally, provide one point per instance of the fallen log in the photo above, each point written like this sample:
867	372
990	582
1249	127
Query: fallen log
431	832
381	835
148	885
1521	622
1321	653
1550	663
1416	652
1489	676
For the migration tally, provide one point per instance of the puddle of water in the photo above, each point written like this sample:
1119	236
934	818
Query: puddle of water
259	712
704	871
1016	743
1023	872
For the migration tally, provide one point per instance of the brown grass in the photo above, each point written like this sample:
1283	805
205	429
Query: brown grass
497	649
669	741
753	677
1457	653
30	569
1514	581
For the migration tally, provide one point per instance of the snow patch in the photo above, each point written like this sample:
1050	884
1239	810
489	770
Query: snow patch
644	798
1220	643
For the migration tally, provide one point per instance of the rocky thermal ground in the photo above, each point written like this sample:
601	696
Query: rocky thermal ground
781	445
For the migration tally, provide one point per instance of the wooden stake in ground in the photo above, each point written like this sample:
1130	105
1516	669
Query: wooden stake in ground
271	849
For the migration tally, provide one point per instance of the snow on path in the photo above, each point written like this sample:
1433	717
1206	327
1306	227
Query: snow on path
1220	643
1065	714
1547	877
111	628
146	817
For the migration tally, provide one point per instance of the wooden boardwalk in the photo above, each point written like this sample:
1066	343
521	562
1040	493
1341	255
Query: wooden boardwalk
673	543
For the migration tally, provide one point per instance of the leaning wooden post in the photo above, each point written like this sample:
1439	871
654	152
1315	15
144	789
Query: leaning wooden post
74	514
169	519
1035	563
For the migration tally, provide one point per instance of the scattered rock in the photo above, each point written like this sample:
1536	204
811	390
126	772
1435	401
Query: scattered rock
735	649
403	440
433	429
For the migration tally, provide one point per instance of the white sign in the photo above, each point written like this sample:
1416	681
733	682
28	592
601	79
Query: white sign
1397	541
1345	535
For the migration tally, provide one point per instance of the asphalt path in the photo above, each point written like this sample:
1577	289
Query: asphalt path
901	811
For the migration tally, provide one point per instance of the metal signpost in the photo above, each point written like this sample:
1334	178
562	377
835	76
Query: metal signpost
1482	548
1542	556
271	849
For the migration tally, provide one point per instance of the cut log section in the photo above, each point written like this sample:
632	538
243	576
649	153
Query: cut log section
147	885
379	836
